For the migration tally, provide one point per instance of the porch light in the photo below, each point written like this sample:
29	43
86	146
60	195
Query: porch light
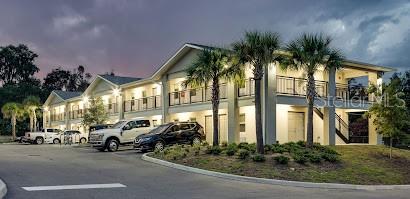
85	99
116	92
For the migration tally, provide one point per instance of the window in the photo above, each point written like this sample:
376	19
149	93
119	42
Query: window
175	128
142	123
242	127
185	127
144	97
192	119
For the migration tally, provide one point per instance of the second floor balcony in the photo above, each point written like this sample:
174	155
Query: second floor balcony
297	87
142	104
197	95
57	117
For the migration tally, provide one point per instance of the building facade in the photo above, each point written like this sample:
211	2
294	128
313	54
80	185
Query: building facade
342	100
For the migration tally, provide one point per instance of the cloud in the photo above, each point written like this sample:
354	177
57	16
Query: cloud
135	37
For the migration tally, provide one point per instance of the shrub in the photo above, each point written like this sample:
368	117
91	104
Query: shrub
196	149
300	158
277	148
175	153
208	149
243	145
231	149
315	158
224	144
281	159
292	147
301	143
216	150
252	147
258	158
243	154
268	148
205	143
330	157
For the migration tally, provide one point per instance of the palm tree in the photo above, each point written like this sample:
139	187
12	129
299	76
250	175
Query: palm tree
212	65
310	52
13	111
31	104
257	49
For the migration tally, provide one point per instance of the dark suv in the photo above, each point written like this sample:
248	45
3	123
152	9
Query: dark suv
170	133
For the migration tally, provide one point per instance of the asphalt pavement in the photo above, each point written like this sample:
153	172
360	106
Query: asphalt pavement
51	171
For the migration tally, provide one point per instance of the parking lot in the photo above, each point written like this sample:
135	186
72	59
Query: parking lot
54	171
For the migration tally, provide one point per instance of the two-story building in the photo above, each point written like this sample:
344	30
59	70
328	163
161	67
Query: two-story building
342	100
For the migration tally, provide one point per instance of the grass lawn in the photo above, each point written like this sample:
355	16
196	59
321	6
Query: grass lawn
367	165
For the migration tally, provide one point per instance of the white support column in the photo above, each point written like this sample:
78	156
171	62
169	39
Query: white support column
269	104
120	105
374	79
165	98
67	116
330	110
45	116
233	113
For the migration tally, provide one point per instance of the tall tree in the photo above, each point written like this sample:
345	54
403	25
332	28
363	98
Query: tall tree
31	105
257	49
389	112
17	64
308	53
96	113
211	66
15	112
60	79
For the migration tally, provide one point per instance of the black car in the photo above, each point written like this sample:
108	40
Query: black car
170	133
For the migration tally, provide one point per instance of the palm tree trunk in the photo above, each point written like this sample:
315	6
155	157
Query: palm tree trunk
391	147
34	121
258	117
31	123
215	111
310	95
13	123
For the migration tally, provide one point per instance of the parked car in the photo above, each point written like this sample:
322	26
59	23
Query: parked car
99	127
54	138
170	133
74	136
39	137
121	133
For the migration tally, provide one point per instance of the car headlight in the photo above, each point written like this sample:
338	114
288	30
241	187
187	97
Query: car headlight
142	139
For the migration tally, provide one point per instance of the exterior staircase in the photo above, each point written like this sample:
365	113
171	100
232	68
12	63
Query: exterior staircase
342	128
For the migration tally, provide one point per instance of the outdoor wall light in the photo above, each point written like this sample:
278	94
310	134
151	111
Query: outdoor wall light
116	92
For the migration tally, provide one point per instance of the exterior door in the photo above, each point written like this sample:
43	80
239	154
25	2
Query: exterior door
296	126
223	128
208	128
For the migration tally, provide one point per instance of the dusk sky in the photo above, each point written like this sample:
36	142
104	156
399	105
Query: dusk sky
134	38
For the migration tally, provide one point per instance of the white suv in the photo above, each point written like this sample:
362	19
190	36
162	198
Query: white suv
121	133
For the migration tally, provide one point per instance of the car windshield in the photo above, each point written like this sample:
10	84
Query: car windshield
160	129
118	124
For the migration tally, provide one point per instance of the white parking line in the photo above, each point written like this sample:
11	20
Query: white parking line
83	186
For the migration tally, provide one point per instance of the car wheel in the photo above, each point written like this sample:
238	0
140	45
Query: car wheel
83	141
56	141
196	141
159	146
39	140
112	145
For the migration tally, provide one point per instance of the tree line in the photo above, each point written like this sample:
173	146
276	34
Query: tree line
22	93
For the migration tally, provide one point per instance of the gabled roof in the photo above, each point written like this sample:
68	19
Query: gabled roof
119	80
65	95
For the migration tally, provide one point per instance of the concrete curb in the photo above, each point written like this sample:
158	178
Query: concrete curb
3	189
273	181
